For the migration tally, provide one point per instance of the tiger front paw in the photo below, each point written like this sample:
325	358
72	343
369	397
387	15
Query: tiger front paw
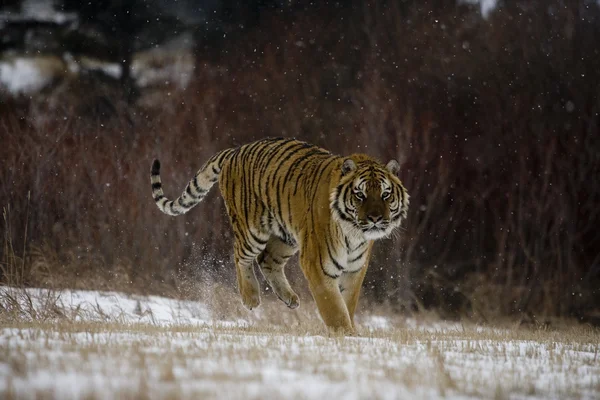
250	299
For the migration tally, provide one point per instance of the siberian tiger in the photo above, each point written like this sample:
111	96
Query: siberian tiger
283	195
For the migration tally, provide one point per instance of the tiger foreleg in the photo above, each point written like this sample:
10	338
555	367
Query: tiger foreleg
325	291
350	286
351	283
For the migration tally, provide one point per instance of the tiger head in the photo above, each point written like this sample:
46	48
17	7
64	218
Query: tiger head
369	199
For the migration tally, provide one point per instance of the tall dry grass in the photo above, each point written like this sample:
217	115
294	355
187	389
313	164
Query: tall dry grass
495	123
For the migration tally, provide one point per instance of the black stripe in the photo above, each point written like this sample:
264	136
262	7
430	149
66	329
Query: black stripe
265	156
156	185
251	166
300	173
286	154
194	181
291	169
248	172
279	185
235	154
359	245
297	167
276	148
256	239
241	175
231	182
323	269
279	209
358	257
171	204
277	260
188	205
346	196
341	214
266	268
345	192
246	247
220	157
403	196
155	168
335	262
319	174
327	274
248	252
181	203
262	163
294	164
315	185
342	194
269	181
159	197
257	163
223	155
290	213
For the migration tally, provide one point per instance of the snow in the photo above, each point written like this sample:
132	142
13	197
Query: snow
22	75
148	346
39	10
487	6
25	75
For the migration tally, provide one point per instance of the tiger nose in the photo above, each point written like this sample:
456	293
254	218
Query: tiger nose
374	218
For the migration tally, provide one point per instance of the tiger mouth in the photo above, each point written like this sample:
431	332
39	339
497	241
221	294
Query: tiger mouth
374	228
375	232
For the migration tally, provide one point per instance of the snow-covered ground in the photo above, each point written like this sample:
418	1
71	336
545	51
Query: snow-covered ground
110	345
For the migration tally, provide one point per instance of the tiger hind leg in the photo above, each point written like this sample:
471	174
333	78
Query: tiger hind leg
247	282
272	265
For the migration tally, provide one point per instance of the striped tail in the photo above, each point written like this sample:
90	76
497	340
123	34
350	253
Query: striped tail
195	190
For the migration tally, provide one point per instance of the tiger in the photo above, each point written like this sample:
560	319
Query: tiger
283	195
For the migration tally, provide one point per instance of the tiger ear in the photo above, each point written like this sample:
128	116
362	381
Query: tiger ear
348	166
393	166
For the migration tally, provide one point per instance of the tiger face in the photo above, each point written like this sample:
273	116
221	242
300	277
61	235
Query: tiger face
370	199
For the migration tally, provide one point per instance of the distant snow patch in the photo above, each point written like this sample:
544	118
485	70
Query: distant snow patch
22	76
39	10
91	305
487	6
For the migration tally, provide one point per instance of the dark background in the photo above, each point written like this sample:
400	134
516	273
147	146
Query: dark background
494	118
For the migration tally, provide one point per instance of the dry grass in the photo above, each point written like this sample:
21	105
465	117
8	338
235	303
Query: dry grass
67	356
